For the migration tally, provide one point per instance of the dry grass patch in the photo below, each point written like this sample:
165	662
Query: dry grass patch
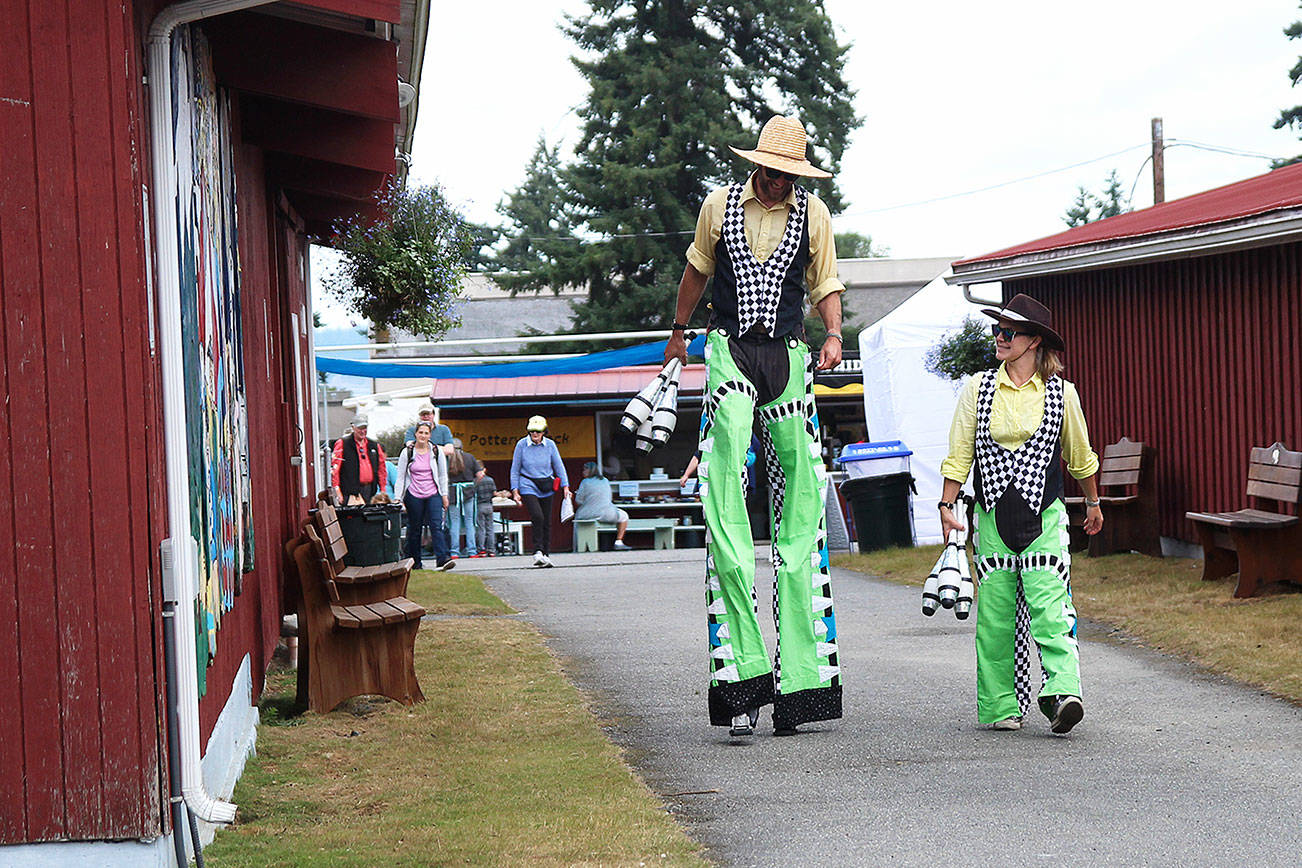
1164	603
503	764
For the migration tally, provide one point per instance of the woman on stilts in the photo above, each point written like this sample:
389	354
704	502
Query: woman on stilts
1017	425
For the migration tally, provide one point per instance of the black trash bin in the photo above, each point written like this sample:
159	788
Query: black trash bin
373	533
880	505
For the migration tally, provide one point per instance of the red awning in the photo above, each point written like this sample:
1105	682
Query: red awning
1274	191
616	383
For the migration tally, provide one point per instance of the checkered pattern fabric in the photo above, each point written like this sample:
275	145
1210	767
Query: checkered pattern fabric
1022	640
1025	467
759	284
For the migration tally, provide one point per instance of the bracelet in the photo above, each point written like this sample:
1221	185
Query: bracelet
680	326
1092	504
836	335
946	504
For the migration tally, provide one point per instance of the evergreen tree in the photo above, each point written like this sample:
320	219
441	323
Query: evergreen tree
1291	117
674	82
852	245
1088	207
539	234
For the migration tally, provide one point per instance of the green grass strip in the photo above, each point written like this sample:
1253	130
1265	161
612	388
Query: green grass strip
503	764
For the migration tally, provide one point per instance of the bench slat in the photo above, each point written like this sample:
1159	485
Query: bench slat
1272	491
1127	462
386	611
1244	518
1272	473
344	617
1123	447
410	611
1265	455
1115	478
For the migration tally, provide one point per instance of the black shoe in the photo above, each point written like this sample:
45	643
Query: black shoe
1067	712
448	565
785	730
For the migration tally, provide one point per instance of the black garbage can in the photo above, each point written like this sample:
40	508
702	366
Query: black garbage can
880	505
373	533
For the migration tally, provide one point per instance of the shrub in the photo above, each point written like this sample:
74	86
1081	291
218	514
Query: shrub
967	351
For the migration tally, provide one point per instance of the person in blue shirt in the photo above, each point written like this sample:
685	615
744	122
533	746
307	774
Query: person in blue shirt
535	467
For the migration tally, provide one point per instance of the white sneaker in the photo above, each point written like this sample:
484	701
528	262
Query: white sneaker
1008	724
539	559
621	546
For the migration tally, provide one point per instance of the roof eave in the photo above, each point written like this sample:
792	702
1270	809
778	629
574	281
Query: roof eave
1258	230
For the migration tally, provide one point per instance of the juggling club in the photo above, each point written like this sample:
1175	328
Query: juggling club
930	597
949	577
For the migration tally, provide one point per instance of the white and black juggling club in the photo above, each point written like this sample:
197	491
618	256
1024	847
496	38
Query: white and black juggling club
930	588
639	409
947	585
665	416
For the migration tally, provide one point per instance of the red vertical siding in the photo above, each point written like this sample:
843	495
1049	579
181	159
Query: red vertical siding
79	704
1198	357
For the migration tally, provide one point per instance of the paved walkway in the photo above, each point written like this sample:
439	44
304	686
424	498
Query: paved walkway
1169	767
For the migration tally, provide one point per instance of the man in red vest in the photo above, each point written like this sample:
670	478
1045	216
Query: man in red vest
357	466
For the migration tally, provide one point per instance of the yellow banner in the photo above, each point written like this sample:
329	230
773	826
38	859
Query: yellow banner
495	439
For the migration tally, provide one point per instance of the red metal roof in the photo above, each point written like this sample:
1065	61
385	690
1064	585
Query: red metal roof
1273	191
616	382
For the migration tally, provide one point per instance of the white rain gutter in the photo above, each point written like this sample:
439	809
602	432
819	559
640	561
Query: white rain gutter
1257	231
181	543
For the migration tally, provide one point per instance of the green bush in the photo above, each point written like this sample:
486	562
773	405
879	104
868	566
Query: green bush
967	351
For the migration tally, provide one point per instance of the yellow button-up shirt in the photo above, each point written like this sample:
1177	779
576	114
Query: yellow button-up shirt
764	228
1015	414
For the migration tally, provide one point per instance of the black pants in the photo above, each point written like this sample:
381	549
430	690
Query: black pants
365	489
540	513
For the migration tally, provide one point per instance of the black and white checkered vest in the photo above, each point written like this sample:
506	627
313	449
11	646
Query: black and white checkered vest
1032	469
771	293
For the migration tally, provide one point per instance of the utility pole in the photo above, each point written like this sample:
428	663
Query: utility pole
1159	170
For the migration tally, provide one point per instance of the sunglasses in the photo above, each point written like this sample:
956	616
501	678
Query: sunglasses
996	329
775	175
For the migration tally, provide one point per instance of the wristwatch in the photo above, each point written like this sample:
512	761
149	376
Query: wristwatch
836	335
680	326
1091	504
946	504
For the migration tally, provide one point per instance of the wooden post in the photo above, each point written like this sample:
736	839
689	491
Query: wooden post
1159	170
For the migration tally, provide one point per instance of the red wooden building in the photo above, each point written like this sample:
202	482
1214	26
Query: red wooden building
162	167
1182	323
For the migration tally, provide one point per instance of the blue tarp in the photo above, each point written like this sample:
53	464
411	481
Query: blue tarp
642	354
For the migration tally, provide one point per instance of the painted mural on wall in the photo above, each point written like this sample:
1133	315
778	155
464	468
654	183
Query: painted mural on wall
220	510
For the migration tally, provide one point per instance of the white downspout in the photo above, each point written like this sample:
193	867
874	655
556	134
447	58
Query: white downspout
163	155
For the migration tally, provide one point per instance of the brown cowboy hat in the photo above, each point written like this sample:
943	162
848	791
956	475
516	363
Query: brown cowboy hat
1027	311
781	146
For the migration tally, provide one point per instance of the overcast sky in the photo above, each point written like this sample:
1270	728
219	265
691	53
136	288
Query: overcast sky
955	96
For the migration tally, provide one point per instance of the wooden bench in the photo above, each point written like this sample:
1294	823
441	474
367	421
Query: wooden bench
357	584
1262	546
586	531
1128	491
363	648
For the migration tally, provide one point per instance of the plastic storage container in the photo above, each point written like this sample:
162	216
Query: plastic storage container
373	533
877	488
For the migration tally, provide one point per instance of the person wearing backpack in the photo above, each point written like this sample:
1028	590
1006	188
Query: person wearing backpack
422	487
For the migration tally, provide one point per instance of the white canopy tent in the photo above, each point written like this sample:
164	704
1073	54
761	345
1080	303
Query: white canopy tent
903	400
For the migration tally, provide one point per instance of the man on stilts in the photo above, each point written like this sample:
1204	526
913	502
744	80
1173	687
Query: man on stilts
769	246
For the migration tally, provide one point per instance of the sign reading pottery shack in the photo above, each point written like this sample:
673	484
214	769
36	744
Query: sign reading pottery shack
495	439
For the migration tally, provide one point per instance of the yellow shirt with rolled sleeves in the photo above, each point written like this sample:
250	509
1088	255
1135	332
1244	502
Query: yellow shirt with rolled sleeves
1015	413
764	228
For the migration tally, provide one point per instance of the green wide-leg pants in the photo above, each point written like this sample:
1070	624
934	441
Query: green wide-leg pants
803	681
1022	596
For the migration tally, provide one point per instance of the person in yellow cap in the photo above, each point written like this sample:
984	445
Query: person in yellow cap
768	245
535	468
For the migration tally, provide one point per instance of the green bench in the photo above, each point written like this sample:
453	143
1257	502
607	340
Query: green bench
586	531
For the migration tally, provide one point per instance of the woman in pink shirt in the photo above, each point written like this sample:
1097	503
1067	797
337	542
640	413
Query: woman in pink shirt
422	487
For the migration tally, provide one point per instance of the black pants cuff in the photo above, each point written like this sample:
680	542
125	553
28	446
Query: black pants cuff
806	706
737	697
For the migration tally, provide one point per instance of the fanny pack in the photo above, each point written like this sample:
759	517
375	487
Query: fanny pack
545	484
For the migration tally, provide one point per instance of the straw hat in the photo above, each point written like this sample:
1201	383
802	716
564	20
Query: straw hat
1027	311
781	146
